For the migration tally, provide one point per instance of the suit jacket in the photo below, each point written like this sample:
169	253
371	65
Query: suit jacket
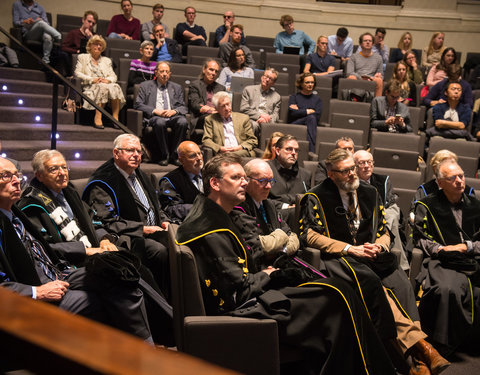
214	136
197	95
377	115
251	98
172	49
147	98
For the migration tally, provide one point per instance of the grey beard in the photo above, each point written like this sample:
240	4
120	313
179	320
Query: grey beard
350	186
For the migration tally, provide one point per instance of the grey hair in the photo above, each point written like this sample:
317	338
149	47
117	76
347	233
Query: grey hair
164	62
219	95
359	153
336	156
254	165
123	137
146	43
41	156
438	173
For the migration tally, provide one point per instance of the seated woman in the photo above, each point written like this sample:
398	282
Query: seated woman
142	69
269	153
413	72
236	68
387	114
404	44
409	90
99	79
306	108
124	26
433	53
438	72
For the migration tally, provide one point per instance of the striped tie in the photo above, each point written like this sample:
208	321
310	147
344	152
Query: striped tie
143	198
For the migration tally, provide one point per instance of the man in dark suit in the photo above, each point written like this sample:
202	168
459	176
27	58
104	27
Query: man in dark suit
227	131
163	106
126	203
201	91
28	266
166	49
179	188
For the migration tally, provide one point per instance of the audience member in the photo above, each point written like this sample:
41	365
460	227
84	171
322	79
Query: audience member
437	93
321	172
451	118
214	239
142	69
364	162
126	203
76	39
222	33
340	45
261	102
31	268
414	73
305	107
124	26
404	44
226	131
166	49
179	188
201	91
387	113
345	220
433	52
163	106
32	19
379	45
292	38
320	63
147	32
438	71
224	52
366	65
237	67
99	79
188	33
446	227
408	95
269	153
290	178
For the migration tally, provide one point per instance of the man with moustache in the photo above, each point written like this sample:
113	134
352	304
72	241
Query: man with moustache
179	188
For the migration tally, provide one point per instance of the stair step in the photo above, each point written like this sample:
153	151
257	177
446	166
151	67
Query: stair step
66	132
22	74
31	87
35	115
27	100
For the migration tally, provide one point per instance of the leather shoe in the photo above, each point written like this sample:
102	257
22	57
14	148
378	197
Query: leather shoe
163	163
427	353
419	368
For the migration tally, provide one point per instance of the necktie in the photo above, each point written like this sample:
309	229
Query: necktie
263	212
64	204
352	215
164	97
141	195
37	250
199	182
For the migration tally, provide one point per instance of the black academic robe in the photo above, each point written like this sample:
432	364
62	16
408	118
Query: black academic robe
229	278
451	299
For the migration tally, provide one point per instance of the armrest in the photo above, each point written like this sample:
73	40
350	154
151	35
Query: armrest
135	121
312	256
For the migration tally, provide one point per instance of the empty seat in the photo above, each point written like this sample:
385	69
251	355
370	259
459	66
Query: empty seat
417	118
397	141
116	54
259	40
186	69
401	179
298	131
124	44
327	136
398	159
344	83
201	51
350	115
199	60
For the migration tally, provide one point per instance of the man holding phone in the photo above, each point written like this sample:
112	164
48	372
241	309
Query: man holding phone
387	113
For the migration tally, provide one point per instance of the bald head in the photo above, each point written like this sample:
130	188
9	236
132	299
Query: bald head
261	177
190	156
364	162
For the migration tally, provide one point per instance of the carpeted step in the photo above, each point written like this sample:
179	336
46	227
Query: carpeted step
68	132
22	74
19	86
35	115
24	100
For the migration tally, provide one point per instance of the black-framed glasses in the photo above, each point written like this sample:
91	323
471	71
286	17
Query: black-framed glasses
8	176
264	181
345	172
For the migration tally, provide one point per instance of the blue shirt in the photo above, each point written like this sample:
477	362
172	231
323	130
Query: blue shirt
163	54
21	12
296	39
320	64
343	50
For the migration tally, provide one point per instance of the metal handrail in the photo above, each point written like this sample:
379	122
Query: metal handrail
57	77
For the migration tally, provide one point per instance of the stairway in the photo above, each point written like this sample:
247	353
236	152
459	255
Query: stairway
25	123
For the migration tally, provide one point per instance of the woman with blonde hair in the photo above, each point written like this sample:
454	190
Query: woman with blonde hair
404	44
433	53
99	79
269	153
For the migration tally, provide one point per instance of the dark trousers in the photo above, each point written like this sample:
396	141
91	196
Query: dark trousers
312	123
167	144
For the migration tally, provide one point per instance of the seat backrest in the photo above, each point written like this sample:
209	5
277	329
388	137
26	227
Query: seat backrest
350	115
79	184
404	200
388	71
156	177
284	109
459	146
199	60
259	59
259	40
417	118
123	69
325	94
401	178
202	51
123	44
280	58
396	141
211	39
474	183
298	131
185	284
398	159
186	69
344	83
116	54
328	135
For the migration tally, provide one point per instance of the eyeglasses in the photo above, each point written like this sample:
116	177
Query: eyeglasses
365	162
264	181
8	176
131	151
346	172
56	169
453	178
227	16
195	155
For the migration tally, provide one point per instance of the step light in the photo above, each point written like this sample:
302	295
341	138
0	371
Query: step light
3	155
20	101
57	136
4	87
37	118
77	155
